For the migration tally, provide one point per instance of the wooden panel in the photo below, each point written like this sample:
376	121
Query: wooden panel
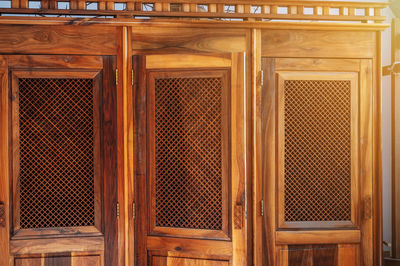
51	245
86	261
267	111
310	64
51	61
348	255
172	261
110	161
4	163
309	255
160	40
186	61
332	44
194	247
28	261
60	260
318	237
57	40
366	159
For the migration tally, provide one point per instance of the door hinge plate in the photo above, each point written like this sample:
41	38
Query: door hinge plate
132	76
116	76
133	211
262	78
117	210
262	207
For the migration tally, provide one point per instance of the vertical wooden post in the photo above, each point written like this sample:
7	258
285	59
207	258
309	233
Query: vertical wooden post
257	142
4	165
396	141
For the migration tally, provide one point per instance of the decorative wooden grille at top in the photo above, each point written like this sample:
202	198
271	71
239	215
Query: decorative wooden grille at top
255	10
317	150
56	152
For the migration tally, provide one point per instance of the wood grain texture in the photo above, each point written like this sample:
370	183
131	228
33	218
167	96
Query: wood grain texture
348	254
140	157
58	40
257	188
267	112
194	247
315	44
110	162
238	153
4	163
187	61
52	61
366	161
318	237
175	261
188	40
39	246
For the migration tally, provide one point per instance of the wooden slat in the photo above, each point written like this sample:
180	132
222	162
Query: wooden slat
75	244
51	61
313	44
4	162
318	237
187	61
57	40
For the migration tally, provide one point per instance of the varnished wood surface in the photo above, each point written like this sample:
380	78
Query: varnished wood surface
4	163
318	237
314	44
175	261
43	246
51	61
110	162
63	259
57	40
188	40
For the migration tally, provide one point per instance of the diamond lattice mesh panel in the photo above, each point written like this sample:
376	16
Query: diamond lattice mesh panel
188	152
56	152
317	168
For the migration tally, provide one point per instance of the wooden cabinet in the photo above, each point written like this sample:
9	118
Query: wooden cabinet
61	152
177	142
189	141
317	161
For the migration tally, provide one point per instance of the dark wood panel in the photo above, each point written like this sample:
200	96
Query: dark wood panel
64	259
110	162
58	40
54	61
311	255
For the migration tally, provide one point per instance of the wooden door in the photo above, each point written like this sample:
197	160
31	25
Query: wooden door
58	160
189	140
317	161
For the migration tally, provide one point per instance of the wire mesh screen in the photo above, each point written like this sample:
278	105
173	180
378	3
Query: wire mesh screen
317	168
56	152
188	152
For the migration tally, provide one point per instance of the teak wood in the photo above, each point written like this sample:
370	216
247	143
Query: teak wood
255	61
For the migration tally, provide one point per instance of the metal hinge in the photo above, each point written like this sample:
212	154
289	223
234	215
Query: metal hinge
117	210
262	77
262	208
132	76
134	211
116	76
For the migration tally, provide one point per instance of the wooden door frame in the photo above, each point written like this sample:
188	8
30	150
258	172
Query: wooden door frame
105	66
